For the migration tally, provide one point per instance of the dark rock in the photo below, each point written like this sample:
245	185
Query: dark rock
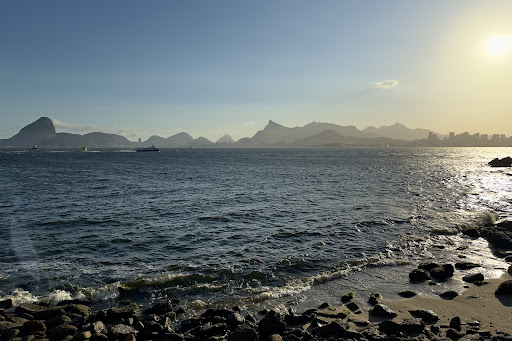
510	270
504	288
508	259
335	329
382	310
57	321
6	304
347	297
235	319
33	326
324	305
189	324
60	332
180	311
74	301
10	334
470	231
455	323
272	323
499	238
505	162
427	266
295	320
375	297
160	308
452	334
217	329
428	316
418	275
38	312
389	327
442	272
250	318
473	278
407	293
449	295
506	224
243	333
466	265
79	309
412	325
121	330
216	312
128	311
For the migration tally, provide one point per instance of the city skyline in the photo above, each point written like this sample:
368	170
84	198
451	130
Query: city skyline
208	69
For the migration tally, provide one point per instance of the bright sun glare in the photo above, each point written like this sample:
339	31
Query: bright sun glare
499	46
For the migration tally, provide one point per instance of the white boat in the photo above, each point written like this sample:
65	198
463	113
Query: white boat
148	149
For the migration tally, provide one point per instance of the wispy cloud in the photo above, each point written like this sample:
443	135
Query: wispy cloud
386	84
126	132
72	127
250	123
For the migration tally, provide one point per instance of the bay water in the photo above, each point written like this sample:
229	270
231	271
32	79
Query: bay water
247	227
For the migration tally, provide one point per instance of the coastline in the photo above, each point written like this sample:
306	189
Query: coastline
475	314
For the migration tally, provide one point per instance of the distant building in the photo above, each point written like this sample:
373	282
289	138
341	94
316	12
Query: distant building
452	136
484	137
432	136
140	140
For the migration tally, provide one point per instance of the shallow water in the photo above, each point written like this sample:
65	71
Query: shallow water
228	226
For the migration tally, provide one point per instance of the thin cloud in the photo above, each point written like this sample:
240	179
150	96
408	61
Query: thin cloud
126	132
386	84
250	123
72	127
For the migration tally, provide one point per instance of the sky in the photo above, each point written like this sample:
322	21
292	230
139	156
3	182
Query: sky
142	68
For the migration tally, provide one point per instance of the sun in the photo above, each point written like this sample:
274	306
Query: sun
499	46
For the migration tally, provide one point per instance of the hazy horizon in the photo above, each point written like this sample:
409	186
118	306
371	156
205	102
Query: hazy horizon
160	68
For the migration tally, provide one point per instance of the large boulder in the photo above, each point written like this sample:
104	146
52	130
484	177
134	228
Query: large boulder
504	288
478	277
272	323
505	162
428	316
442	272
418	275
381	310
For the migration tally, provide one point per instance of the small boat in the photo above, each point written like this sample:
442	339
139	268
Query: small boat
83	149
148	149
34	148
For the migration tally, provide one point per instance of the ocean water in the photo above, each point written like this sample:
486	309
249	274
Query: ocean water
247	227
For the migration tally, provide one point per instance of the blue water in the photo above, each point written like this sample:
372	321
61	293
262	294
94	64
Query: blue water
230	226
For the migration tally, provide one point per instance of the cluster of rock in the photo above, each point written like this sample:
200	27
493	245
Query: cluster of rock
74	320
498	235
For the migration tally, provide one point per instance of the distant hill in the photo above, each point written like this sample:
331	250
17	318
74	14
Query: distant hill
225	139
42	133
330	138
398	131
36	133
274	133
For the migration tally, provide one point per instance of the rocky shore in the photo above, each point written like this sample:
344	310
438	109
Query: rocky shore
481	312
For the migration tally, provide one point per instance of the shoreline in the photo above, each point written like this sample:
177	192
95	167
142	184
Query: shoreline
475	314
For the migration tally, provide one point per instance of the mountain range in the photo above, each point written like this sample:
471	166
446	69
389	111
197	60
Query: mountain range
43	134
